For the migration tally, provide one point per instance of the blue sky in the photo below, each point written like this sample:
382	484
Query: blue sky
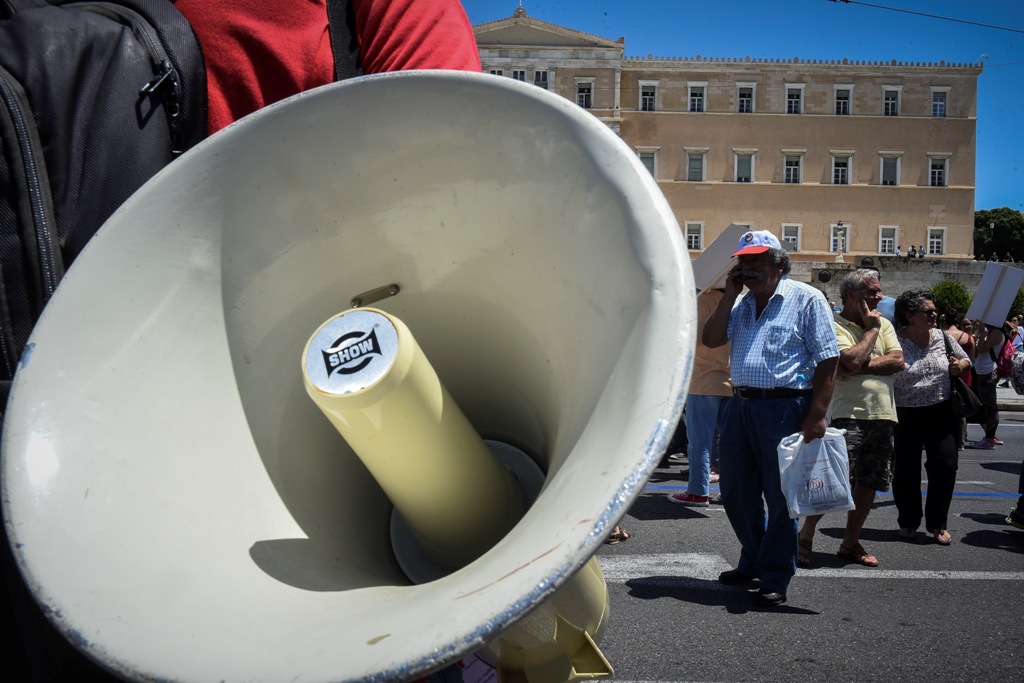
820	29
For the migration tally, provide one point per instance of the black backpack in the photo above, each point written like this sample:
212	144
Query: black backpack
95	98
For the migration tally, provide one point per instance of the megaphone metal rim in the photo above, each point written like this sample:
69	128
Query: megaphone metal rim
178	278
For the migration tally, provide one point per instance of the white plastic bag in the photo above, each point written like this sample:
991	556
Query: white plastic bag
815	475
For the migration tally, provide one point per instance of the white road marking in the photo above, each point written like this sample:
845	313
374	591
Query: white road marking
698	569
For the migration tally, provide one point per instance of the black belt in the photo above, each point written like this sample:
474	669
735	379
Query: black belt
747	392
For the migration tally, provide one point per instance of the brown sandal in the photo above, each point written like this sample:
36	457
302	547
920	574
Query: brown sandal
618	535
858	555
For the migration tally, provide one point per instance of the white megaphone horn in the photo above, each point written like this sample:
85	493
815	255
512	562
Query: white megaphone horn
181	509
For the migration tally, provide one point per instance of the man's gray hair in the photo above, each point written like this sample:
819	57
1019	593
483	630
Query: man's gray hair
780	258
855	279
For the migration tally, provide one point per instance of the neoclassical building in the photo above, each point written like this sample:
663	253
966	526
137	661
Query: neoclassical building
833	156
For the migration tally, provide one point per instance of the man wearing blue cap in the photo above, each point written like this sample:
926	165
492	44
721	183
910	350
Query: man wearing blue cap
783	361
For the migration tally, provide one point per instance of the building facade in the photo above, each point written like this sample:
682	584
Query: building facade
834	157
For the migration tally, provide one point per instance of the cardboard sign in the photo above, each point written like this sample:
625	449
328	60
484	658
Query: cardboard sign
715	261
999	285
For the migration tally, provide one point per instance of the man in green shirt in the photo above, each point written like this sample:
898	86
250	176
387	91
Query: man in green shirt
863	404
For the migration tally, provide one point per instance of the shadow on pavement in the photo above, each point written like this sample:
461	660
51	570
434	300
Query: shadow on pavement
655	506
869	535
993	518
1008	467
1010	540
735	600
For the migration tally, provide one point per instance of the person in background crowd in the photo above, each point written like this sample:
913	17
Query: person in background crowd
709	389
1012	331
912	252
898	252
783	361
989	340
862	404
926	418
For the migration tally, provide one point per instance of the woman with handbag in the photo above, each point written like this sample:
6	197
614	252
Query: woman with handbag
926	417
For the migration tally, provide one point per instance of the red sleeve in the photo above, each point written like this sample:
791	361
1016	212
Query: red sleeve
397	35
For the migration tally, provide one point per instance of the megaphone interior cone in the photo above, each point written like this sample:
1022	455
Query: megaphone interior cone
178	505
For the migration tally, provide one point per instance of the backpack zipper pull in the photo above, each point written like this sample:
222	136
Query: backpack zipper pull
167	81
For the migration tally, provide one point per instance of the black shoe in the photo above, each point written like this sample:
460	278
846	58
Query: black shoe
735	577
1016	517
768	598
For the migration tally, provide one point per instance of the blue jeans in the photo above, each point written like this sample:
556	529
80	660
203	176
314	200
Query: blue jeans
701	420
751	430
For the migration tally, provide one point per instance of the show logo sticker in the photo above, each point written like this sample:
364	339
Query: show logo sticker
351	352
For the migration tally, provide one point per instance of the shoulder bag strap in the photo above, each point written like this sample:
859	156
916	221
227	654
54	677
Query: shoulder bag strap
949	347
341	18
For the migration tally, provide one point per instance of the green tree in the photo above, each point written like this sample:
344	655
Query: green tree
952	295
1017	308
1000	231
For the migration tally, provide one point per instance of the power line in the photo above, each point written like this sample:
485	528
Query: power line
931	16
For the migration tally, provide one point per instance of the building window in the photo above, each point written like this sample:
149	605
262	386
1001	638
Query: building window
890	170
519	75
839	237
648	160
540	79
745	98
647	93
694	236
791	236
793	164
697	97
938	171
794	99
887	239
695	166
744	168
937	241
891	102
497	72
585	94
842	101
939	104
840	170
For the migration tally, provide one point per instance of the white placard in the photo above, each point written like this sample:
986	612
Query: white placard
999	285
715	261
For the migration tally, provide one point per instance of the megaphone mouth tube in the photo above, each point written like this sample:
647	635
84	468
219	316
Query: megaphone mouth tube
366	373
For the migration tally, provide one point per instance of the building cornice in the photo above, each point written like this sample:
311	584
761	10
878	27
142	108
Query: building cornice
804	64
